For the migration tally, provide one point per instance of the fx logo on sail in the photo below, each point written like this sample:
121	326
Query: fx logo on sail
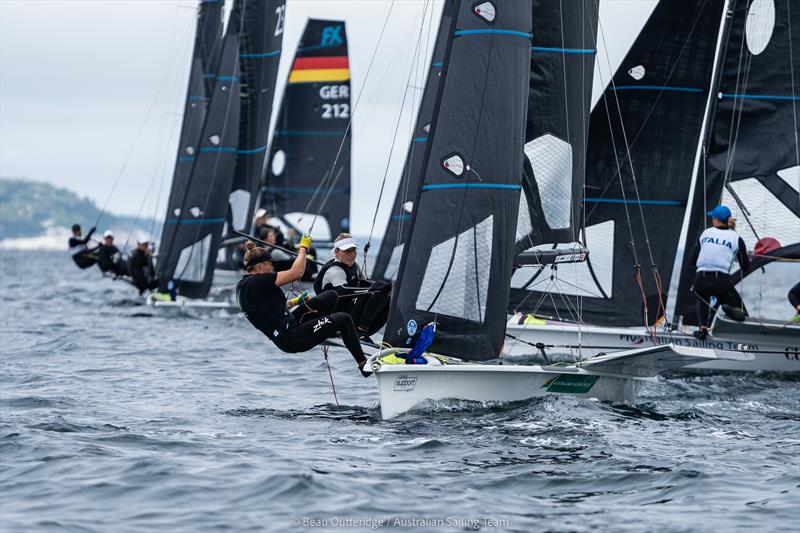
331	36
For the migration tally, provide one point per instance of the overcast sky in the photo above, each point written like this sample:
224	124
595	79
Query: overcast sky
92	90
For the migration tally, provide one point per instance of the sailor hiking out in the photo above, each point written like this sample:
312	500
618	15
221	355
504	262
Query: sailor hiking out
78	247
109	258
264	304
141	269
717	249
365	300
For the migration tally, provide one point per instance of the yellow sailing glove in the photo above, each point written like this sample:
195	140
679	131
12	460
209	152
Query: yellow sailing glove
305	242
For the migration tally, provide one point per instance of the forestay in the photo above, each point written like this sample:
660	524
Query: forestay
312	129
456	263
752	161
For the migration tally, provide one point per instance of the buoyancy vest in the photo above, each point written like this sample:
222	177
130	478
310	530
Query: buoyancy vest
352	275
718	248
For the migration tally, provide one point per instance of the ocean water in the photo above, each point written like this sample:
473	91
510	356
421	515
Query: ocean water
111	420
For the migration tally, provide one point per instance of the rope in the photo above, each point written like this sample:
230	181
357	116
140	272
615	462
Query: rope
330	374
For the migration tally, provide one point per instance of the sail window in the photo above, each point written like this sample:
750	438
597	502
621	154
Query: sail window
767	214
394	262
278	163
303	221
192	261
190	150
575	279
214	139
759	26
195	211
637	72
524	226
454	164
426	128
765	289
408	206
791	176
239	201
486	11
177	212
456	282
551	160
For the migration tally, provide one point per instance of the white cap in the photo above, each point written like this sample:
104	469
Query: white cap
107	234
142	240
261	213
345	244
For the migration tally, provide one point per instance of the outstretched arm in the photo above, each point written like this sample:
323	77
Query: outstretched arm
298	267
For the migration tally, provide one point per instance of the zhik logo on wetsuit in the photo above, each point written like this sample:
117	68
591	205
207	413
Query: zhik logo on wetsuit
321	322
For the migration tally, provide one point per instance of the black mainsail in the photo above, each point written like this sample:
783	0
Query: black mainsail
456	263
559	100
198	201
751	159
643	137
399	221
311	133
260	29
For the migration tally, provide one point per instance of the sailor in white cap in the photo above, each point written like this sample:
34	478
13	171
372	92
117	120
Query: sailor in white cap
108	255
365	300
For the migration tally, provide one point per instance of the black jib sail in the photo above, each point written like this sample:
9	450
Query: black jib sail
198	200
311	131
456	263
260	29
643	138
559	100
399	221
751	159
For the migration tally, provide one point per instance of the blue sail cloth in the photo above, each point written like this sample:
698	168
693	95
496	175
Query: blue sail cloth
426	336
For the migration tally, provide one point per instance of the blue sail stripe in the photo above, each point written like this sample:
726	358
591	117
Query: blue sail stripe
307	133
186	158
196	98
759	96
563	50
261	55
420	139
438	64
435	186
253	150
656	88
459	33
196	221
209	75
228	78
225	149
625	201
401	217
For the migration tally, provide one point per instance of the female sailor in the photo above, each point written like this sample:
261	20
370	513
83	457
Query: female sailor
264	304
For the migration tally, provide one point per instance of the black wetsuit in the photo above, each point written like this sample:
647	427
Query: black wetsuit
369	311
719	285
141	271
264	305
80	252
105	259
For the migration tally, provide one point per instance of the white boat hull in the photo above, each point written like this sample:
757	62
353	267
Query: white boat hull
190	306
613	378
564	338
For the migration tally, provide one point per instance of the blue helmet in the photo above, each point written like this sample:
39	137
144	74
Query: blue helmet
721	213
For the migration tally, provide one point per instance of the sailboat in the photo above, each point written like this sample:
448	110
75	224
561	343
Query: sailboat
451	292
307	185
219	160
702	79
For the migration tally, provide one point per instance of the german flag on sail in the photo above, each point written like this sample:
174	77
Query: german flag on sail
314	69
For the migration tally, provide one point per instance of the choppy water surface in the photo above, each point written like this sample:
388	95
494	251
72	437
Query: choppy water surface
112	421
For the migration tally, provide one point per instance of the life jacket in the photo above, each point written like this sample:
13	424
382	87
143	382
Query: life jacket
351	274
718	248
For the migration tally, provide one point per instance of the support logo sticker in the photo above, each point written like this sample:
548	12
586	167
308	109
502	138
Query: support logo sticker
405	383
571	383
411	327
